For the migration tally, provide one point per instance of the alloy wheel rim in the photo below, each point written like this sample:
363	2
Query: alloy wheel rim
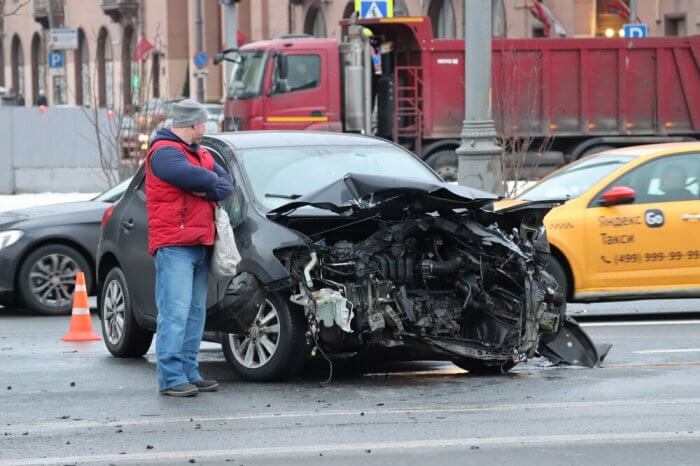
114	312
52	280
254	348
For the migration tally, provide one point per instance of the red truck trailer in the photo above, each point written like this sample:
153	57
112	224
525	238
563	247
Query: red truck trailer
572	96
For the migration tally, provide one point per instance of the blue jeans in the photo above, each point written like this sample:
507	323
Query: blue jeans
181	298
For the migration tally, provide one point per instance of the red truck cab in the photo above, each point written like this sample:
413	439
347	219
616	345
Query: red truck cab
259	99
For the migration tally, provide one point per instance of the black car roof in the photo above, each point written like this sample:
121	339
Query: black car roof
259	139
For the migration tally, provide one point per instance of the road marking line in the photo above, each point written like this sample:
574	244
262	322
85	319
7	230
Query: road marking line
68	425
664	351
359	447
632	323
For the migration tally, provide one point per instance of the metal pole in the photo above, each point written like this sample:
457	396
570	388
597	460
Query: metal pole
231	30
200	45
633	11
479	156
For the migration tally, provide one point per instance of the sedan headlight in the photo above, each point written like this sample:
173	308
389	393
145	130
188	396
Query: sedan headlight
9	237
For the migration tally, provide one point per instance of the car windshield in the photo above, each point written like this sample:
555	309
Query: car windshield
573	180
281	174
114	193
247	75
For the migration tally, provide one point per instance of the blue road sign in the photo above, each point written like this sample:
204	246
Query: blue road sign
633	31
201	59
375	8
55	59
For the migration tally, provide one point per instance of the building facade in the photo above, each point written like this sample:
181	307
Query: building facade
103	70
107	68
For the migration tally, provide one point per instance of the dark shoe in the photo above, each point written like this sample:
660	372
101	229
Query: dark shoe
181	390
207	385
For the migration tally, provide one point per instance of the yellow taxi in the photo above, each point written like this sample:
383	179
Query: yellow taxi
631	226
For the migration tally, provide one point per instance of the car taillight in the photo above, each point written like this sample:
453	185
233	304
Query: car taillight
105	216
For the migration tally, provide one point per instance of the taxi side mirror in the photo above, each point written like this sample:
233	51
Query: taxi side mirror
618	195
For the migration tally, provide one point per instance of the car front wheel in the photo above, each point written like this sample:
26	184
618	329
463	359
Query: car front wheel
46	279
124	337
273	347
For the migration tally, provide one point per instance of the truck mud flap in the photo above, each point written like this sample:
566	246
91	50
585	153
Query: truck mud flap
571	345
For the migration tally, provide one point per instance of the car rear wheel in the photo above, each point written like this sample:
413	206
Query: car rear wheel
273	347
46	278
123	335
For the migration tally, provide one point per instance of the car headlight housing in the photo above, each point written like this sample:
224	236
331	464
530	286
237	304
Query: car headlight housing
9	237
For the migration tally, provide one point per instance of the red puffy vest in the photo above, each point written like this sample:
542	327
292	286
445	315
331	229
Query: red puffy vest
175	216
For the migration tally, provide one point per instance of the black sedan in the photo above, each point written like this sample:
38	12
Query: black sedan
350	244
42	248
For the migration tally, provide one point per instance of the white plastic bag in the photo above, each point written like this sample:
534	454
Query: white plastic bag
225	256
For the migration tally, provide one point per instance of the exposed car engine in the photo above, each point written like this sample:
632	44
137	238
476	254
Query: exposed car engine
465	289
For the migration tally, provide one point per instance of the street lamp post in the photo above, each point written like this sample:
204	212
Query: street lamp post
479	156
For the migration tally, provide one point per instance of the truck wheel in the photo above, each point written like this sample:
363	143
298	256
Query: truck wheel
46	278
478	366
444	163
273	347
596	150
123	335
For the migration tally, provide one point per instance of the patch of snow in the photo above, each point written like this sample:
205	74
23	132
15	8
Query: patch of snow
21	201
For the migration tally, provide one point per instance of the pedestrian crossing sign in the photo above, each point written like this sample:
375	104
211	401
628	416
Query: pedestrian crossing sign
375	8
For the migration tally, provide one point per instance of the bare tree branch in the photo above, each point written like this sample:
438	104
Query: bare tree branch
14	10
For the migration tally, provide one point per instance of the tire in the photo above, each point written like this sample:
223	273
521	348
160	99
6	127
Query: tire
46	278
480	367
555	268
596	150
444	163
284	354
115	301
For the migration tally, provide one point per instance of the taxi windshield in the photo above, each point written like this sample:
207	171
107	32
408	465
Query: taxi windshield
573	180
247	75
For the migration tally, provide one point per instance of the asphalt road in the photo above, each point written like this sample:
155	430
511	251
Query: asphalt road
64	403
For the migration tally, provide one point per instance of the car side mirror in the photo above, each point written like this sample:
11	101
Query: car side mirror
282	65
618	195
236	208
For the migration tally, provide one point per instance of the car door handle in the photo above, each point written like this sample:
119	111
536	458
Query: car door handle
128	224
689	217
318	113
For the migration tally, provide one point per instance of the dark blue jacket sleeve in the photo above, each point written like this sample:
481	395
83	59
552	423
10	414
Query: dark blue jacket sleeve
171	166
223	187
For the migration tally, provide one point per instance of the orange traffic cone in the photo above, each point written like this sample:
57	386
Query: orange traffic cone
80	321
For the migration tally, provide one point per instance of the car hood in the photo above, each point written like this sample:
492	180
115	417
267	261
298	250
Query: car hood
71	212
370	194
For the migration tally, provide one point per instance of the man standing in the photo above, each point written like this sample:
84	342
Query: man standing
183	182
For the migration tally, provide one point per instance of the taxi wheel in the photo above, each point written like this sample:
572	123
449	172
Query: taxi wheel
556	270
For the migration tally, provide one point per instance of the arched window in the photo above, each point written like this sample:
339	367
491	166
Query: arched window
349	9
442	15
82	71
17	64
315	23
2	62
105	69
499	26
128	49
155	73
38	67
400	8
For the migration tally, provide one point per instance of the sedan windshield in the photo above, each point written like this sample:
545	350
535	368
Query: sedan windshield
573	180
247	75
280	174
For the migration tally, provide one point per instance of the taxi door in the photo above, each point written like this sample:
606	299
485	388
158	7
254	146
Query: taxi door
651	245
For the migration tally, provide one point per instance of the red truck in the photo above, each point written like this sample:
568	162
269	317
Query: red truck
572	97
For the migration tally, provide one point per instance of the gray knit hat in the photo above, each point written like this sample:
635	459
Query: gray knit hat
187	113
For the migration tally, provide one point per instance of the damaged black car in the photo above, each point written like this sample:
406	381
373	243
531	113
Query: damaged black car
351	245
